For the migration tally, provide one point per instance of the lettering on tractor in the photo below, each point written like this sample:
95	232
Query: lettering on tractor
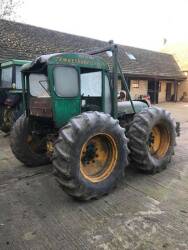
74	118
11	106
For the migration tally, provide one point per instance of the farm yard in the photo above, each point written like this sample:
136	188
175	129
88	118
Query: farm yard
145	212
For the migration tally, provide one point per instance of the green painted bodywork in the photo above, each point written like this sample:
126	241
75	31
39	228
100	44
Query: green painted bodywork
65	108
79	60
74	59
14	62
9	63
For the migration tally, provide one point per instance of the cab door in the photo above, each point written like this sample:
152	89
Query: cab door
65	91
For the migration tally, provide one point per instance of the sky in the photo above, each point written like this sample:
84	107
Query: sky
139	23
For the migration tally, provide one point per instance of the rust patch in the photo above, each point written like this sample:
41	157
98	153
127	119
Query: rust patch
40	107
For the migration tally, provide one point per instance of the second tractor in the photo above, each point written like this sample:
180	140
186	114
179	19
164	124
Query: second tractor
11	105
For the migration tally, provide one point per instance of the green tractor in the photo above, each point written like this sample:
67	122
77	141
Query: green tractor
10	93
73	118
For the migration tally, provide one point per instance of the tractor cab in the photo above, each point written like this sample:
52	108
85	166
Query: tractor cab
10	92
62	86
11	75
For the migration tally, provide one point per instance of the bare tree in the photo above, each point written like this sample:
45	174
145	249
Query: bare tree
8	8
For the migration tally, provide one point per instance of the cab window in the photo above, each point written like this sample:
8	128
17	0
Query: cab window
91	89
38	84
6	77
18	78
91	84
66	81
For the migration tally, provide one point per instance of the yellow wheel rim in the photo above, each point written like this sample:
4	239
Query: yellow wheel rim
98	157
159	141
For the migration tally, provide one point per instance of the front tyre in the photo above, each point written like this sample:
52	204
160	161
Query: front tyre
28	148
90	155
152	139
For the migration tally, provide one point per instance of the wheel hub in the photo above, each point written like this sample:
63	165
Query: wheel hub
98	157
90	154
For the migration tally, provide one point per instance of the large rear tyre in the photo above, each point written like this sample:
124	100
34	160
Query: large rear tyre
90	155
152	139
28	148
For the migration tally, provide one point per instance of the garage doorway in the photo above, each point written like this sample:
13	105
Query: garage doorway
170	92
153	90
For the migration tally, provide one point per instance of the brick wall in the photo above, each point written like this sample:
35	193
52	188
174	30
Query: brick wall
162	92
183	90
138	87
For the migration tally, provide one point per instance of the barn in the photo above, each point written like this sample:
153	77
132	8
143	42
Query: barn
147	72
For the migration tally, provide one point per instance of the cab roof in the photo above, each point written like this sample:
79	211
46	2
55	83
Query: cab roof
74	59
14	62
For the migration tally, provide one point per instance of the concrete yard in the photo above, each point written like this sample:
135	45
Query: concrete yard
146	212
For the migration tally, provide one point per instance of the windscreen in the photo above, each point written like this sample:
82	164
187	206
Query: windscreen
38	84
6	77
91	84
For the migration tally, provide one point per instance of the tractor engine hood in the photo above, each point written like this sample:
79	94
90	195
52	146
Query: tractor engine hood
126	108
